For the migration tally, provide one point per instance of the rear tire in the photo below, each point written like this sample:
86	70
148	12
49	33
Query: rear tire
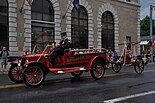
98	69
34	75
139	66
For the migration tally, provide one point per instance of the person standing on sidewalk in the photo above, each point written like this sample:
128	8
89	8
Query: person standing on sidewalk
4	54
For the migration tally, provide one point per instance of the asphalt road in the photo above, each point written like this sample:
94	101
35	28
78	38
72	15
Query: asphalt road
123	87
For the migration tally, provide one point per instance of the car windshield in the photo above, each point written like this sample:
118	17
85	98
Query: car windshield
46	50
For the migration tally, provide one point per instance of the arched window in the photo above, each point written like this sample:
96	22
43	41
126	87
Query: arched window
42	22
107	30
79	25
4	30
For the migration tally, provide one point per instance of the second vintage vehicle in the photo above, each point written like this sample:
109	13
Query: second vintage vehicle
128	57
32	68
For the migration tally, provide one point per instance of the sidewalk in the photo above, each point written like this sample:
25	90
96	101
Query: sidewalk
4	71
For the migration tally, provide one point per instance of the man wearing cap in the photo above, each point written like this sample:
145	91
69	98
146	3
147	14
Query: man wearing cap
65	43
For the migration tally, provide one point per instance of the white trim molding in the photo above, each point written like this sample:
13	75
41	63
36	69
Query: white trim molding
88	7
134	3
138	29
12	7
102	9
27	23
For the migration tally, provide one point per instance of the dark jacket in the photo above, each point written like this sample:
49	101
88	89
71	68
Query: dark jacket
65	44
4	56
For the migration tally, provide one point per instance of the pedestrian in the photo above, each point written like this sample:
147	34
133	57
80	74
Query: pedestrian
4	57
147	56
64	44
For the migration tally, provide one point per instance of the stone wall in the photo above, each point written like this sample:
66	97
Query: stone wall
126	21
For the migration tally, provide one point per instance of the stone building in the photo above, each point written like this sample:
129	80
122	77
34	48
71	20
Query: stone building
97	23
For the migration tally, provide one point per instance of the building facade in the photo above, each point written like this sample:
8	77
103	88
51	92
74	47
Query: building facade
97	23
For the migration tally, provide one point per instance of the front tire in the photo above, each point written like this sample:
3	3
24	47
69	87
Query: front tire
98	69
116	67
15	73
34	75
139	66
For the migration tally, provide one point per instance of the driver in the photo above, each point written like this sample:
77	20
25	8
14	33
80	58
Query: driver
65	43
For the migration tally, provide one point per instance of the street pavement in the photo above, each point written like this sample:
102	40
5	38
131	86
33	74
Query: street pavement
64	88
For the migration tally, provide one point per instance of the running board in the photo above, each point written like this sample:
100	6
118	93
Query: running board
67	70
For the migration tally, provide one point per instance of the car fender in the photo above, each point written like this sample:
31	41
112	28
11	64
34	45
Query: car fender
16	62
45	68
95	58
33	62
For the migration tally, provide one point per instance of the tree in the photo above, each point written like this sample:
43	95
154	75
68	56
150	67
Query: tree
145	26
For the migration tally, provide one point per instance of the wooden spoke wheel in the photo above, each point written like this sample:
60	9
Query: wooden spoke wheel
98	69
34	75
116	67
15	73
139	66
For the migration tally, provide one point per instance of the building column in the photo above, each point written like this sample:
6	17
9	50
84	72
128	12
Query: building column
13	47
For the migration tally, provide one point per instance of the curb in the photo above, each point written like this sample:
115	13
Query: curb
5	71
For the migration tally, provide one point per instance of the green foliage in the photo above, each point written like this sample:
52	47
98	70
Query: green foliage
145	26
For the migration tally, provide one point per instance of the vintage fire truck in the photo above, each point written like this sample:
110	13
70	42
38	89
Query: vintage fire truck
33	68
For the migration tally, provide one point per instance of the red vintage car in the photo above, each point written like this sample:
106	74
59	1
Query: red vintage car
32	68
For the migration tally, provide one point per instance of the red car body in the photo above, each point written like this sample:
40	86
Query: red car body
72	61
